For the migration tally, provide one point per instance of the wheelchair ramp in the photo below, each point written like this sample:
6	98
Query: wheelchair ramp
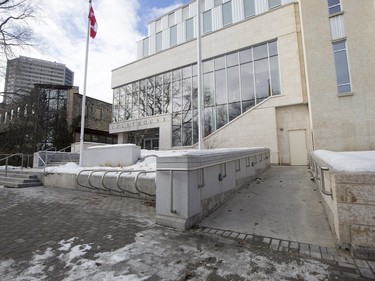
284	204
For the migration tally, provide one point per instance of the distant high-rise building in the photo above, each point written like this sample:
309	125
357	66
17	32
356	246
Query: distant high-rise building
23	72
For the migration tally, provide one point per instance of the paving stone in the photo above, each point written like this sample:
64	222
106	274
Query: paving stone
340	259
349	265
361	263
241	236
316	255
220	232
366	272
284	246
20	240
234	235
294	245
275	244
206	229
372	265
328	257
213	231
226	233
266	240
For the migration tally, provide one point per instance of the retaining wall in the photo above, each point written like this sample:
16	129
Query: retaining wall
350	209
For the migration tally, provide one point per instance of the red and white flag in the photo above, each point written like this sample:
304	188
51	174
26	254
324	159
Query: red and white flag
93	23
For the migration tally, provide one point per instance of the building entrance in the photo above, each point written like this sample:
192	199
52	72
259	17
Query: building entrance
146	139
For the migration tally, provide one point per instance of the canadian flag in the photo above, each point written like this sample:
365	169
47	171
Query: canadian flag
93	23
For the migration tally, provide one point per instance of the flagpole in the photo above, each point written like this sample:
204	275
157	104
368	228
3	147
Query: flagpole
84	92
199	70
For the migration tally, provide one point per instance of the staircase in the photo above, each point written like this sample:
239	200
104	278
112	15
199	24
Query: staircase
19	179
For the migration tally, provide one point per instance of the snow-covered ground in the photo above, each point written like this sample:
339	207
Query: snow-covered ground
351	161
159	252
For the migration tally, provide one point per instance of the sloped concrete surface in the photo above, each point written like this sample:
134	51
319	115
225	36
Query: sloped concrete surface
283	203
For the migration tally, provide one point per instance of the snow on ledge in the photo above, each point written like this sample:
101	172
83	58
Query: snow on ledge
350	161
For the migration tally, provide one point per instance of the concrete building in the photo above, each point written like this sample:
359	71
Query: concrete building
23	72
294	76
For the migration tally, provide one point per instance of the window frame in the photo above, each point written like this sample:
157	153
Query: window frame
347	68
330	7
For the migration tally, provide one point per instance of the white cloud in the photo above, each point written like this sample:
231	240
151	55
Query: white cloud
62	28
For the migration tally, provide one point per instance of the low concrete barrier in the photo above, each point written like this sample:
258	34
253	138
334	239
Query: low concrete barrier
190	186
349	202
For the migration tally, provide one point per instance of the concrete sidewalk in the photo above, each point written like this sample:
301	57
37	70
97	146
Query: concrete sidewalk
284	204
63	234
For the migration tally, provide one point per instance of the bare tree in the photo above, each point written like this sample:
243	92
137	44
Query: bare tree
15	31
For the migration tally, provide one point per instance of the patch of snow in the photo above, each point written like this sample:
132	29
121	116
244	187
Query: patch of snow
351	161
66	244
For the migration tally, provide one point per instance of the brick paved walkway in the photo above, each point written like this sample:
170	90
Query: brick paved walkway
62	234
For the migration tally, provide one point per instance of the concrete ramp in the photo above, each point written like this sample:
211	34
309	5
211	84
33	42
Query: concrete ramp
284	204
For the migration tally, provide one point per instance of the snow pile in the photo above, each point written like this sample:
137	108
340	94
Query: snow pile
352	161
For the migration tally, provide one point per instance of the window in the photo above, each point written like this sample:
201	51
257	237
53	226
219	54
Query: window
159	41
173	38
185	13
207	22
158	25
227	13
274	3
171	20
334	6
342	67
189	29
218	2
145	47
249	7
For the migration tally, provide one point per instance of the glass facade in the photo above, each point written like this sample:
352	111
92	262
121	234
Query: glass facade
232	84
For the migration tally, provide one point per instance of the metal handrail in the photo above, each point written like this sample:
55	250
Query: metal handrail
105	187
6	161
318	174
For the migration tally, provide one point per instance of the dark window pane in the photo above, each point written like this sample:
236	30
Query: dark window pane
190	29
177	96
260	52
219	62
221	116
232	59
274	3
208	66
167	92
246	56
207	22
151	96
247	81
220	87
186	72
246	105
142	98
135	98
159	94
209	120
186	95
262	84
234	110
187	130
342	70
159	41
173	38
233	84
249	6
275	76
272	46
227	13
176	130
208	89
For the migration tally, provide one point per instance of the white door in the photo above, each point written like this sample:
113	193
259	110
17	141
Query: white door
297	147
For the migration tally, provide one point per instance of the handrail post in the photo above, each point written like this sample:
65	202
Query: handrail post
171	186
21	161
6	167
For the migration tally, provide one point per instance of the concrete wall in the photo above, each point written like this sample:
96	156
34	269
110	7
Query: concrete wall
189	187
350	209
120	155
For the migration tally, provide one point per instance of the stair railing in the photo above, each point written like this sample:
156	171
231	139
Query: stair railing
7	159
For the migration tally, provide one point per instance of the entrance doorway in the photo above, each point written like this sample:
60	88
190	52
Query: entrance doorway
151	144
297	147
146	139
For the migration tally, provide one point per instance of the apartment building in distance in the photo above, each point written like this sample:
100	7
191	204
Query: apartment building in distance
23	72
292	75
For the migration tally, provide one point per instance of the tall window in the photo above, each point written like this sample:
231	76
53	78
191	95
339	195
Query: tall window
274	3
342	67
190	29
207	22
249	7
159	41
334	6
227	13
173	38
145	47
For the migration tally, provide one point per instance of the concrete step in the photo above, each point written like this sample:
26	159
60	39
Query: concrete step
19	179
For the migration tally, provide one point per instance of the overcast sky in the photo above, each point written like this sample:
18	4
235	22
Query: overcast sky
62	29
